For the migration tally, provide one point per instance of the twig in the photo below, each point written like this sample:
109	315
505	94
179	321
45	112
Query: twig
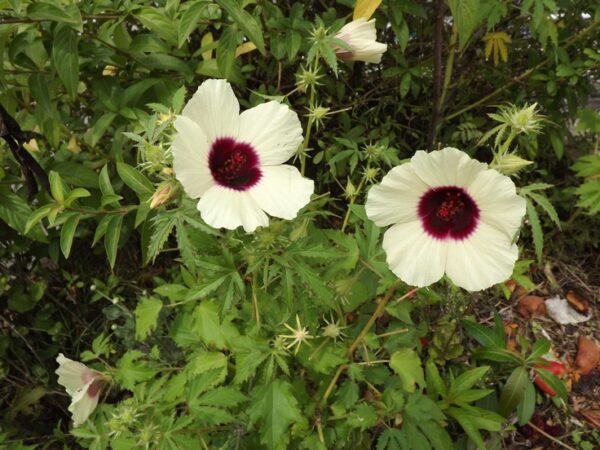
552	438
437	71
380	307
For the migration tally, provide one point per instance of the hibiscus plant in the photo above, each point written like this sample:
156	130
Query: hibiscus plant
277	224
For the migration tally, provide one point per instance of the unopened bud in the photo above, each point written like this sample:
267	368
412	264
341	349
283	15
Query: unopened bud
510	164
163	194
115	300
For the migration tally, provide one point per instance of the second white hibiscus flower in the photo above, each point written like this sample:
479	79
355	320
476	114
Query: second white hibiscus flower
451	215
233	162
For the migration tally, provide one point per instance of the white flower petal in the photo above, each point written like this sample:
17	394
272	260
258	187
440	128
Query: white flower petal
273	129
446	167
368	51
414	256
359	29
190	157
483	259
282	191
396	199
221	207
82	405
73	375
215	108
498	202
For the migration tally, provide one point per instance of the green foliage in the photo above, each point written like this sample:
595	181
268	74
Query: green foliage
189	322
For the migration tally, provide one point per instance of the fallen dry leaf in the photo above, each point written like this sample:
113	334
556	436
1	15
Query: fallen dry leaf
588	355
531	305
592	416
560	310
578	302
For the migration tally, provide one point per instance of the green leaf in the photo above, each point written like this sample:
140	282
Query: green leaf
56	187
67	233
65	57
160	233
498	354
513	391
17	214
134	179
536	230
543	201
589	196
111	239
553	381
472	419
100	127
246	22
467	380
539	349
209	328
274	408
435	384
189	21
484	335
131	371
407	364
53	12
104	182
156	20
37	215
75	194
226	51
526	407
146	315
467	16
223	397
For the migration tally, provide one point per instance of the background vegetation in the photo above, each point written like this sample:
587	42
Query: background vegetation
189	321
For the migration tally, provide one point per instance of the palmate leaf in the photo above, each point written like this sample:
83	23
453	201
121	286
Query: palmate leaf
146	314
274	408
495	45
467	16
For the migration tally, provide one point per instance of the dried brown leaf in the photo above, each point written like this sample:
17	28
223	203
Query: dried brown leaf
531	305
578	302
588	355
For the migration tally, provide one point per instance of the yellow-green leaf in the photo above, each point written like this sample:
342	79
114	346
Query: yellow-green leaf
365	8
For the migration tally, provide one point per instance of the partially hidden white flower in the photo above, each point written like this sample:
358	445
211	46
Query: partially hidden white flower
82	384
233	162
360	35
450	214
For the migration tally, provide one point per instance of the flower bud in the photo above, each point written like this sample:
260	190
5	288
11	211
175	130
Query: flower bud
163	194
510	164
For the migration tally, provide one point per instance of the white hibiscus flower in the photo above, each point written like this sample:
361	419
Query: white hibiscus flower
82	384
360	35
233	162
451	215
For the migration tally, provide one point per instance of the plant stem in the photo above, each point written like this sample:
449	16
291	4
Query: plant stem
524	75
352	200
255	310
380	307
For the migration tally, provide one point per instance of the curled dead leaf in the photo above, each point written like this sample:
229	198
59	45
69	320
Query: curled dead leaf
578	302
592	416
531	305
588	355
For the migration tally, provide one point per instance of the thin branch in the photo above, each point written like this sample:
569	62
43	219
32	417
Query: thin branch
438	40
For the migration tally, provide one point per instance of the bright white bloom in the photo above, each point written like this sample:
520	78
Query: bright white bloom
82	384
233	162
451	215
361	37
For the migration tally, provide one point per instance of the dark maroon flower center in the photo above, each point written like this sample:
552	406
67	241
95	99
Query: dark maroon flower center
234	164
448	212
